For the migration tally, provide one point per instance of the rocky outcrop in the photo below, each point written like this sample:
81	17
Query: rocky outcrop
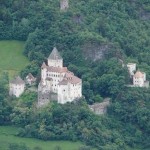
95	51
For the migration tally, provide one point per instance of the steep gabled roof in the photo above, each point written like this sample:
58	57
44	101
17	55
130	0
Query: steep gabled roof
70	78
17	80
55	54
30	76
63	82
43	65
139	74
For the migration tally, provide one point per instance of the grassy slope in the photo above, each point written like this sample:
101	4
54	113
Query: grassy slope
11	57
7	135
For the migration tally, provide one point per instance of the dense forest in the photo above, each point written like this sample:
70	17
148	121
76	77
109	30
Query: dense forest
94	37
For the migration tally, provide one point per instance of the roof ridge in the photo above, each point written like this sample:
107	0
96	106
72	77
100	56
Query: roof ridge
17	80
54	54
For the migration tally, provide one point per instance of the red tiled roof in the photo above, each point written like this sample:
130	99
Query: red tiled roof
57	69
139	74
70	78
30	76
17	80
63	82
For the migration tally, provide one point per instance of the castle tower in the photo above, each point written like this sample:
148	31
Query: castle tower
64	4
43	73
54	59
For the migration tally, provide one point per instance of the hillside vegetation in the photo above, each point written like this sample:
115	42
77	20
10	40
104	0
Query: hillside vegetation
8	136
11	57
94	37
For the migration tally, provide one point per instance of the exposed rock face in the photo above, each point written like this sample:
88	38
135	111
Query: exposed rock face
142	12
78	19
95	51
100	108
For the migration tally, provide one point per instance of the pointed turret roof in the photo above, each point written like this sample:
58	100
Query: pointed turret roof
17	80
30	76
54	54
43	65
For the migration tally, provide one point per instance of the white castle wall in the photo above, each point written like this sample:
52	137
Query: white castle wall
16	89
55	63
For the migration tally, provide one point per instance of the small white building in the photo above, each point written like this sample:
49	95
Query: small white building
16	87
30	79
58	80
139	79
131	68
64	4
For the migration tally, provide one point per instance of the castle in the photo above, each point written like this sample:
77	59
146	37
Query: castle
57	82
138	77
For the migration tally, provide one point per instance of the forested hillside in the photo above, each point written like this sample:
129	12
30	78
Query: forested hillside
94	37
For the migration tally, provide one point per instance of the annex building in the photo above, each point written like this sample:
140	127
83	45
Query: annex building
16	87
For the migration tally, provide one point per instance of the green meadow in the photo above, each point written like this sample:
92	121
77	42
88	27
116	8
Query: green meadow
8	135
12	59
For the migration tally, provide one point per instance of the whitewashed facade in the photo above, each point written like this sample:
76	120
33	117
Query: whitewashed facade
30	79
59	80
131	68
139	79
16	87
64	4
